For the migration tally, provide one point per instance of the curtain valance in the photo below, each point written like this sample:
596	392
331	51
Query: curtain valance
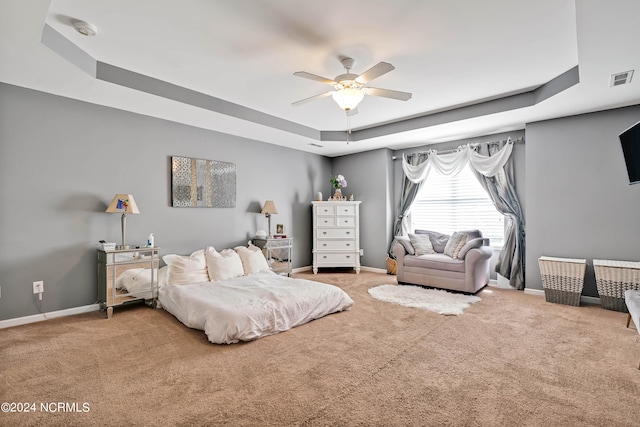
453	163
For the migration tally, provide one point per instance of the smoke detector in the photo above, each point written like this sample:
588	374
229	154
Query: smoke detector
85	28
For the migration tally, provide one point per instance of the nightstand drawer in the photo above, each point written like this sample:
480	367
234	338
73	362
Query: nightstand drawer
331	245
335	233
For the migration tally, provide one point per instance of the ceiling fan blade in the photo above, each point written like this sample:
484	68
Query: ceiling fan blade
393	94
374	72
312	98
314	77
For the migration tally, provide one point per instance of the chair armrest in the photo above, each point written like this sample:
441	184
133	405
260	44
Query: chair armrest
399	251
478	254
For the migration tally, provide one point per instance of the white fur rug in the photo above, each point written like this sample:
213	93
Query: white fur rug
435	300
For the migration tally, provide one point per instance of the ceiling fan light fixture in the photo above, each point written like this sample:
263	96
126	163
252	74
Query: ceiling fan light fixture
348	98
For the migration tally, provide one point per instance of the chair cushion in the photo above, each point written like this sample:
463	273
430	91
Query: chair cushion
435	262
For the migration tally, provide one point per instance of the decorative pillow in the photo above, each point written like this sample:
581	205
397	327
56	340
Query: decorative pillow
223	265
455	244
408	247
422	244
186	269
471	244
438	240
253	260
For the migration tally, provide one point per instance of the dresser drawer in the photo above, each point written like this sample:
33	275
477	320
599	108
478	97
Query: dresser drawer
325	210
346	221
346	210
338	258
325	221
331	245
335	233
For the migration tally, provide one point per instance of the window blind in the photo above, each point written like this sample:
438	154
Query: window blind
454	203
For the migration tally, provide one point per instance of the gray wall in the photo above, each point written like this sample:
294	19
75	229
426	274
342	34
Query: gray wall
370	179
61	163
579	201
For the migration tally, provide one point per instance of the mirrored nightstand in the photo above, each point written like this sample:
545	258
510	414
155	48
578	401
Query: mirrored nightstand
277	251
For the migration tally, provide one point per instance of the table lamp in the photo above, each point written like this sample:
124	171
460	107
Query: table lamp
268	210
123	203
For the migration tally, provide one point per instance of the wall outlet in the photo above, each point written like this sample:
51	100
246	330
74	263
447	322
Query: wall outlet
38	287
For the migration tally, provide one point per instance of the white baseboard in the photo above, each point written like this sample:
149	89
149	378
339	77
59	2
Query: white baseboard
584	299
46	316
373	269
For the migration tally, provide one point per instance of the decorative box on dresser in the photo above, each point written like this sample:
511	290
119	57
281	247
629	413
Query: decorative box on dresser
336	235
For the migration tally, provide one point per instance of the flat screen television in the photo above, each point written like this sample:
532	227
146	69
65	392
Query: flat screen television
630	140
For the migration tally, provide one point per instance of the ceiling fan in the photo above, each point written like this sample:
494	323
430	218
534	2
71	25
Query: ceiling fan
350	89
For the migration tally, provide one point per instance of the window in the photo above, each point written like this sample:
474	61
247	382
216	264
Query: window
453	203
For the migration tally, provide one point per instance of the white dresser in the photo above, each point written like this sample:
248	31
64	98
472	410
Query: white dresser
336	235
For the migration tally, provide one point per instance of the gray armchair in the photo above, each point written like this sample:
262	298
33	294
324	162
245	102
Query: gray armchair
467	271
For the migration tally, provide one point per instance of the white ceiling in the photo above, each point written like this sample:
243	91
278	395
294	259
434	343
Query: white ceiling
447	53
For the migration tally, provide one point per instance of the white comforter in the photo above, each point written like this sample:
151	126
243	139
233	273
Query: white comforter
249	307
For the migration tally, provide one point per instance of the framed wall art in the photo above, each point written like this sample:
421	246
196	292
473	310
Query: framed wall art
200	183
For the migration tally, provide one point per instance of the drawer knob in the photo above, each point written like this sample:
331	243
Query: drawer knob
324	244
348	256
348	244
348	232
324	232
325	257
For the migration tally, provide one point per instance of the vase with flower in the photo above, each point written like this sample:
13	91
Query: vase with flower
338	182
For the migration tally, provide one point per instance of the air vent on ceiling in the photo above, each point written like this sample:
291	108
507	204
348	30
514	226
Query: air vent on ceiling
621	78
315	145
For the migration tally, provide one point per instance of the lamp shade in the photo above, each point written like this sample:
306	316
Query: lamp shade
123	203
269	208
348	98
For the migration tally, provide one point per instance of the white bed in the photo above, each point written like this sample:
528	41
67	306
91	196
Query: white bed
251	306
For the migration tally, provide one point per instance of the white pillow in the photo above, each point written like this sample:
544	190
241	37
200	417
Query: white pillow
253	260
186	269
223	265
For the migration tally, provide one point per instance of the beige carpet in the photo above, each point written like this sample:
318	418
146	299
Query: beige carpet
510	359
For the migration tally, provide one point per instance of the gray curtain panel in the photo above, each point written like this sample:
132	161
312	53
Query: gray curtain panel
409	193
501	189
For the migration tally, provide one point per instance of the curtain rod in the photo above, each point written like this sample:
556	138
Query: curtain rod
453	150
